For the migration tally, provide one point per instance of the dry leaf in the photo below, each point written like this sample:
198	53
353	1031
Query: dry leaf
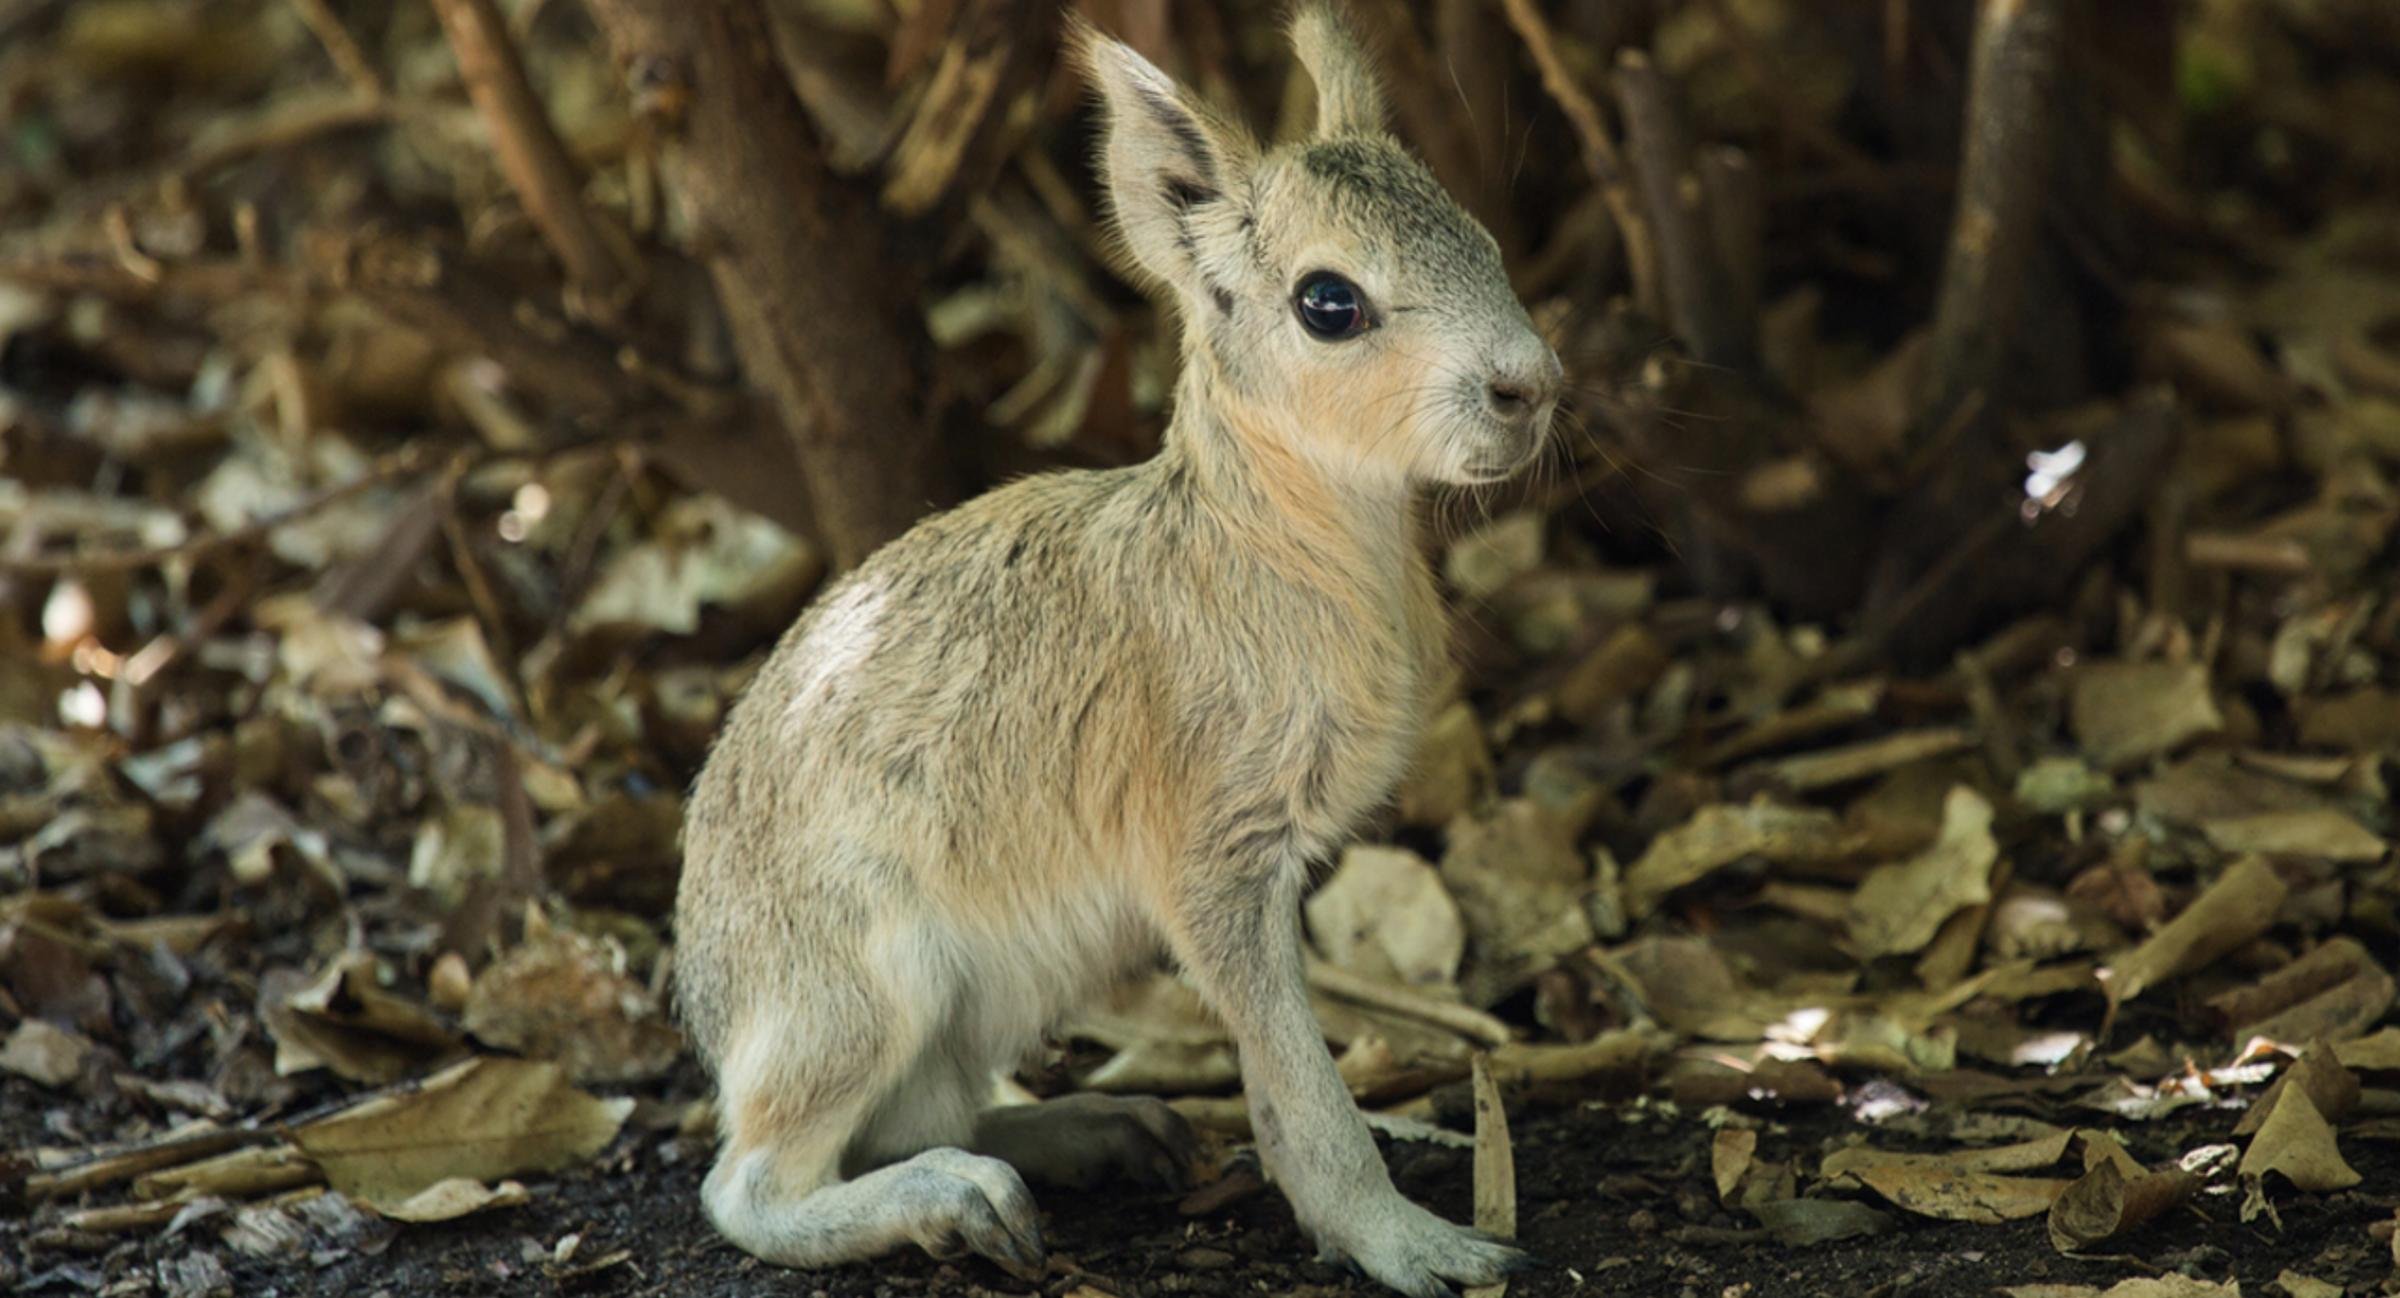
563	996
2296	1141
2336	992
1519	883
1933	1191
2296	1285
2319	1074
1898	908
242	1174
2321	833
2239	906
1797	1223
481	1119
1495	1166
2108	1202
1729	1158
2379	1053
1385	914
45	1053
2125	713
1452	772
455	1197
1969	1185
1718	836
1830	767
347	1022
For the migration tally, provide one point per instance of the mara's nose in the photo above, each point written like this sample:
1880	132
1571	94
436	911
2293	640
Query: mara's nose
1516	394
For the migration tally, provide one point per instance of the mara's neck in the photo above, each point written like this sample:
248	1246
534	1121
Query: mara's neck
1304	515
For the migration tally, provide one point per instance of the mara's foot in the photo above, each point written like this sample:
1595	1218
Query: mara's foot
1417	1252
1082	1141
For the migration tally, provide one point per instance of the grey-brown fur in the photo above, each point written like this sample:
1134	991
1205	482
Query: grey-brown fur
1093	718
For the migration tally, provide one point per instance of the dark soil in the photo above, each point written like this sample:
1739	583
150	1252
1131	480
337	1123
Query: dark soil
1610	1206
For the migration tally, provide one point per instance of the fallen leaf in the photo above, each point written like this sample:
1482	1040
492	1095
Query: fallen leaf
1969	1185
1385	914
1519	883
2320	833
2334	992
455	1197
2296	1141
563	996
1625	665
2379	1053
45	1053
1498	552
346	1021
708	554
1729	1158
2239	906
241	1174
1898	908
482	1119
1797	1223
2296	1285
2107	1202
1717	836
1832	767
2125	713
1495	1165
1452	772
2319	1074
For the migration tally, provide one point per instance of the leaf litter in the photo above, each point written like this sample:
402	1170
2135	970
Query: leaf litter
337	835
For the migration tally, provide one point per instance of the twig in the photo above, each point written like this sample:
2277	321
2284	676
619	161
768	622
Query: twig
1465	1020
1737	219
992	49
174	1151
1600	154
531	155
407	461
341	47
1699	298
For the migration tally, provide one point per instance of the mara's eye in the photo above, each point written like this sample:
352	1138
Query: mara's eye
1330	307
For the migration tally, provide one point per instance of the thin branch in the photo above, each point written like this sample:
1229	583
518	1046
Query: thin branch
1600	154
342	48
1701	304
532	156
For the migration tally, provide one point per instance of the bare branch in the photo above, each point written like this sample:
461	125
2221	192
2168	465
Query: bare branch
531	155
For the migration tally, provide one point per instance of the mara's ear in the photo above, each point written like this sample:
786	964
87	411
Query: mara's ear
1348	100
1165	157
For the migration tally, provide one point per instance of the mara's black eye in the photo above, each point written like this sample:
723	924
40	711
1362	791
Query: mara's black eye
1330	307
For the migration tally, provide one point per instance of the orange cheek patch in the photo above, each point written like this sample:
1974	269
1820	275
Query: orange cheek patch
1373	410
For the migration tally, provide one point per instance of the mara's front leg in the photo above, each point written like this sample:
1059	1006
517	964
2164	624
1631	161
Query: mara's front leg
1233	922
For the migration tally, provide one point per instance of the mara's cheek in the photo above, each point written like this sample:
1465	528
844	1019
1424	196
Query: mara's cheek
1373	406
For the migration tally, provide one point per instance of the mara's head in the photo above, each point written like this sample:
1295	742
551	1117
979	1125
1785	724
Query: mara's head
1331	291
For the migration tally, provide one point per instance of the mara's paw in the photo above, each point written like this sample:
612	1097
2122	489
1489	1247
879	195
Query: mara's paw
966	1203
1083	1141
1408	1249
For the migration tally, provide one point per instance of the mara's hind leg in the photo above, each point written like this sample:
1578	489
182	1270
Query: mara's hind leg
791	1108
1075	1141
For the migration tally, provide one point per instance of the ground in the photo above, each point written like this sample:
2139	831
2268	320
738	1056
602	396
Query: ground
1610	1202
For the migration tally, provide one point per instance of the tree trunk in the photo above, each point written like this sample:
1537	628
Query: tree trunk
823	310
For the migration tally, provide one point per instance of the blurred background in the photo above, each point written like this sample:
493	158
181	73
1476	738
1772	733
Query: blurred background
417	419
